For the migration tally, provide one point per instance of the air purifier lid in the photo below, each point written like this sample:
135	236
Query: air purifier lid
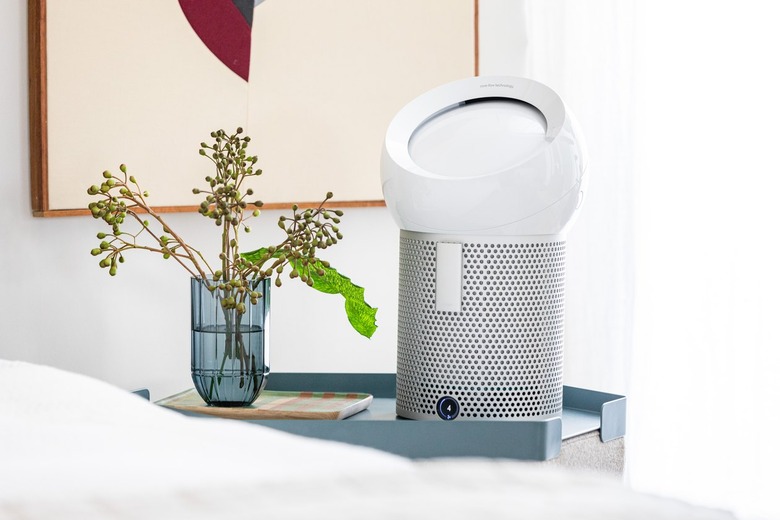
484	155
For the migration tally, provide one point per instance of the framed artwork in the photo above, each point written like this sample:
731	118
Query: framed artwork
313	82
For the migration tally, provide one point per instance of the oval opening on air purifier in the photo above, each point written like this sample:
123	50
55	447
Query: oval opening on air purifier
478	137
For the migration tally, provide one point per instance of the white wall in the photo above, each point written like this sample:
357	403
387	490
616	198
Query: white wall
59	308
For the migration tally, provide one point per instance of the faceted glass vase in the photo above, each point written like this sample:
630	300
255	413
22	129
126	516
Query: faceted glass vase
229	348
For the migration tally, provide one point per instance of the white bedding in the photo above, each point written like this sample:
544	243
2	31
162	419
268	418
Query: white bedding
74	447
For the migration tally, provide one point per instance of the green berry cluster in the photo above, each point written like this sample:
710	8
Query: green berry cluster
120	197
225	203
308	231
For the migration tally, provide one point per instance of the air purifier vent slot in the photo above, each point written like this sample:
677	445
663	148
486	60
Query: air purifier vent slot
501	357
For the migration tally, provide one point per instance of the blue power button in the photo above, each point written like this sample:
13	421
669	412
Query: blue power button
447	408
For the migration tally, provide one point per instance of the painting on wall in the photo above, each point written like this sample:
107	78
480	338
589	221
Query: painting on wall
313	82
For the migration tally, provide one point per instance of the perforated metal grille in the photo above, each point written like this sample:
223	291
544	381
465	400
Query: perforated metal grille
501	357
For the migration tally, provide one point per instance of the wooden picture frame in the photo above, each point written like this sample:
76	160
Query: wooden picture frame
72	141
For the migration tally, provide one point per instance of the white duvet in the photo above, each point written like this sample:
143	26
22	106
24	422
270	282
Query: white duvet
77	448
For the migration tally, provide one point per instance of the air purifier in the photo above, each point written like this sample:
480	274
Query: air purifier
484	177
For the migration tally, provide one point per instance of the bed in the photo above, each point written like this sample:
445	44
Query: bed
74	447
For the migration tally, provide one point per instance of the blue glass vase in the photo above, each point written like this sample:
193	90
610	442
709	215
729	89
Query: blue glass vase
229	347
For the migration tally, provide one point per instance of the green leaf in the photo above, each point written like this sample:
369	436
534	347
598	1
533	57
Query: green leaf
360	314
257	255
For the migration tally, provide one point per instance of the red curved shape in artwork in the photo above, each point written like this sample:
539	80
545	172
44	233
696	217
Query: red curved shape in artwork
221	26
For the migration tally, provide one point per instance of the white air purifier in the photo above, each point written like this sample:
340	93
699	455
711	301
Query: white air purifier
483	176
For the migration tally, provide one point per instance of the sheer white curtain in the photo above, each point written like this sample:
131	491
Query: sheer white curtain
706	379
583	50
674	271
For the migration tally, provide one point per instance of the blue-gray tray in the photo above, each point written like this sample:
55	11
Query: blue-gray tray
378	427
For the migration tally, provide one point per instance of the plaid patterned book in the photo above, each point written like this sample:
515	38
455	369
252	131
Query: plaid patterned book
278	405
